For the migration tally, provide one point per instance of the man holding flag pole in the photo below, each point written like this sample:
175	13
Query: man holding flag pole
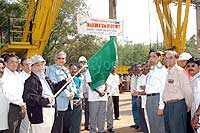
100	66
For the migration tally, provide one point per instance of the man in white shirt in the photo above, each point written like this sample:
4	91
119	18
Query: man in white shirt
154	89
112	88
4	105
86	79
12	86
26	72
97	106
140	92
133	86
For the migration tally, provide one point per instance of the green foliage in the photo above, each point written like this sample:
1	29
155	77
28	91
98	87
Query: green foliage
15	9
132	54
191	47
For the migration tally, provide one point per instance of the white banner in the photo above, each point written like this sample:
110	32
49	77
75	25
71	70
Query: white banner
91	26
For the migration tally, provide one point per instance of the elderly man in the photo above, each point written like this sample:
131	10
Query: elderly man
193	68
26	72
12	86
154	89
177	96
38	95
64	101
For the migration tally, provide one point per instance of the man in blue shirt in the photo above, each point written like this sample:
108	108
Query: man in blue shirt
64	101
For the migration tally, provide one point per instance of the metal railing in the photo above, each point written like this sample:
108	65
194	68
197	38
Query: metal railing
11	30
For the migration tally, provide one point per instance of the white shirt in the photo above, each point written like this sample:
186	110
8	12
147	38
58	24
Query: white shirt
24	75
113	84
4	108
12	86
87	79
141	81
195	82
94	96
46	89
133	84
156	79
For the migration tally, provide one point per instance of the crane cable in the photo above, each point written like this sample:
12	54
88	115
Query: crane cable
149	23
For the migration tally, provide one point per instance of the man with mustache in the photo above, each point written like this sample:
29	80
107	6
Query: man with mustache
193	68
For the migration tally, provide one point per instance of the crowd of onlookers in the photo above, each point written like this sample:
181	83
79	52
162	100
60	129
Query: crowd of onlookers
166	93
36	98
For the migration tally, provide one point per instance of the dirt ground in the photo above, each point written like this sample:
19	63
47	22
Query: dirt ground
126	118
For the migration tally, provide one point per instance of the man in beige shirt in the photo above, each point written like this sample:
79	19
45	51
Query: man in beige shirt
177	95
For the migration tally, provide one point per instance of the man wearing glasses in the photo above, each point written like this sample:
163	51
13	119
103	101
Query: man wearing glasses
177	96
64	101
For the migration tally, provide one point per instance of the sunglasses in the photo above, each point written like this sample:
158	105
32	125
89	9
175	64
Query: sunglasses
60	58
193	65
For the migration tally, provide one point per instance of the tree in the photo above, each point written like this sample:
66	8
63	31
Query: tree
191	46
132	54
65	37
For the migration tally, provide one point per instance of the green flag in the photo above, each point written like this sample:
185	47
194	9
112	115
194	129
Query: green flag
101	64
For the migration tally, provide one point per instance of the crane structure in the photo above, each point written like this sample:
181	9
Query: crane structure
32	36
174	33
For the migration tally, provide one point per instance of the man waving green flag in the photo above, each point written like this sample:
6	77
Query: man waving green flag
101	64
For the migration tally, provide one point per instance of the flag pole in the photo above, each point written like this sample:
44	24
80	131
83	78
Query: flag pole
69	81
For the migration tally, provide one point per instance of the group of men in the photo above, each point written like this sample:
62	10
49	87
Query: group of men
32	101
165	93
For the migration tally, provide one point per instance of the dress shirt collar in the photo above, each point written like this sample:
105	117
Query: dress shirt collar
173	69
195	76
6	70
25	73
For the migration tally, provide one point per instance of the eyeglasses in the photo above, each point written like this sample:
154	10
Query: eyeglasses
171	57
60	58
193	65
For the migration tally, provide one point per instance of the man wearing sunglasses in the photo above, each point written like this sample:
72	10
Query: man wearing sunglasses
182	62
193	68
64	102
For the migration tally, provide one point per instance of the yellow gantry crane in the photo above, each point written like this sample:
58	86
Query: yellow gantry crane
174	33
32	37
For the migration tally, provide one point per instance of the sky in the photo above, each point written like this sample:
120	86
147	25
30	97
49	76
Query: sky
141	24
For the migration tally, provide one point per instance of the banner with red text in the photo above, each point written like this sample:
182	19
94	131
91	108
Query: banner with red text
92	26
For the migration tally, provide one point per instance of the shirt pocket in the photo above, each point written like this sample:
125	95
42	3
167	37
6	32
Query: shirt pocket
173	85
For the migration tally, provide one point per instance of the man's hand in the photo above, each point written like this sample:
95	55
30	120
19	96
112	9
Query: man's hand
135	93
23	107
68	80
142	87
51	99
195	122
71	95
160	112
101	94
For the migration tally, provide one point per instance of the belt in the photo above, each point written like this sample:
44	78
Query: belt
15	105
48	106
153	94
173	101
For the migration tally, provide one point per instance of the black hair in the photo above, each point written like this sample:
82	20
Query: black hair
8	56
1	61
23	59
155	51
73	64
